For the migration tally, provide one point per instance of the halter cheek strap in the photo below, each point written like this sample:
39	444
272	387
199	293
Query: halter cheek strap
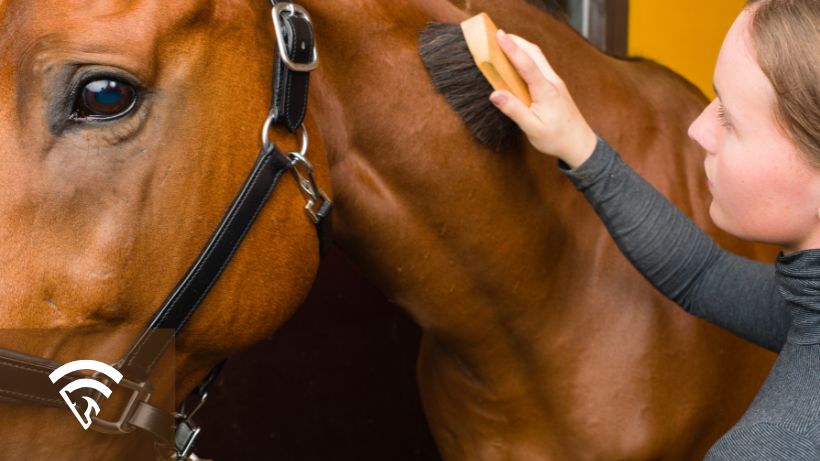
24	379
296	58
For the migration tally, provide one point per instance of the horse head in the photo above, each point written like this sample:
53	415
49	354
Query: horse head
127	130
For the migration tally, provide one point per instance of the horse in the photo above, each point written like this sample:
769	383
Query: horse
128	129
540	341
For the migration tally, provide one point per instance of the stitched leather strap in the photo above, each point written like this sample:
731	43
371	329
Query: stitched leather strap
158	422
324	227
290	88
24	379
203	274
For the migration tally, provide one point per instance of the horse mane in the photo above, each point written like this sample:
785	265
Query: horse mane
553	7
445	54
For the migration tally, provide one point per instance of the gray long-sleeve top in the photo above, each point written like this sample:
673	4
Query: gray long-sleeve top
775	306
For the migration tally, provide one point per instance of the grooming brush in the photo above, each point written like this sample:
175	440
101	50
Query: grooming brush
465	64
480	35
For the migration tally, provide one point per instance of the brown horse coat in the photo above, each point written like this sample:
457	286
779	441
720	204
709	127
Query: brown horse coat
541	341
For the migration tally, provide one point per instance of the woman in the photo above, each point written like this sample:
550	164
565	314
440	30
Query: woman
762	138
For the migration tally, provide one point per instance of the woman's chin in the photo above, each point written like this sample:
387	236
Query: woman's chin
723	223
715	215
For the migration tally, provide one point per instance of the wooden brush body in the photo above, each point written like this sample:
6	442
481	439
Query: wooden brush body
480	34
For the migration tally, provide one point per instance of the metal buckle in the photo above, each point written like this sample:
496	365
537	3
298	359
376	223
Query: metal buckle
315	196
140	392
293	9
319	203
187	432
186	435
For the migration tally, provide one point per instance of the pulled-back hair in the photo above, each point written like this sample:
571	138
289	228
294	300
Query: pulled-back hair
786	38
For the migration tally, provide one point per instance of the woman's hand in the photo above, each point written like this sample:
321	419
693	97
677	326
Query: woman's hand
552	123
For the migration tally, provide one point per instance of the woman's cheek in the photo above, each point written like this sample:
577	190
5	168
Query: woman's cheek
733	201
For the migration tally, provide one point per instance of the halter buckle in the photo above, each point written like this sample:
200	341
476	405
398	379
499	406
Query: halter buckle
140	392
186	435
293	10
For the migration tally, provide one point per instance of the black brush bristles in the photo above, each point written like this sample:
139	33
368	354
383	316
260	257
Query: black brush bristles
454	73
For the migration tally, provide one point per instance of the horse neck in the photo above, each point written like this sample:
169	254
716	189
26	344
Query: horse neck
445	227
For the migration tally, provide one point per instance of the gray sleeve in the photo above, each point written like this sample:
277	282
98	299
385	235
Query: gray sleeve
763	442
678	258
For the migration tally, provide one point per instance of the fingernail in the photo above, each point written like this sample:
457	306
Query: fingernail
498	99
501	36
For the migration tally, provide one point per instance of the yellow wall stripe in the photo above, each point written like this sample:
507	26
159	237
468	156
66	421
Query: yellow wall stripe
684	35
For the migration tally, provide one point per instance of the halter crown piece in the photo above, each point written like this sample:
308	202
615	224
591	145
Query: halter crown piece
25	378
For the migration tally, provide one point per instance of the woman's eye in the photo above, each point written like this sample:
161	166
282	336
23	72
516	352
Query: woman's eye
105	100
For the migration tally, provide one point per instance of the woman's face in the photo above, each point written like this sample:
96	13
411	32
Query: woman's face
763	188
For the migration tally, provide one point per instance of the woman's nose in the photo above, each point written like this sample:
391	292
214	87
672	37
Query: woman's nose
704	130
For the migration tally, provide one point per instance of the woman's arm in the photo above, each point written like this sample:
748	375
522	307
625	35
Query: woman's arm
679	259
664	245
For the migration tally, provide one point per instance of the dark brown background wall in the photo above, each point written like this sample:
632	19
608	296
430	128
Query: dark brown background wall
336	383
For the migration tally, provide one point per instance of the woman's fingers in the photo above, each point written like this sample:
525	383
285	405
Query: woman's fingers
552	123
513	108
537	56
540	88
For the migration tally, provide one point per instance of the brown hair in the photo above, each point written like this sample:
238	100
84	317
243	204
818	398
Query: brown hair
786	38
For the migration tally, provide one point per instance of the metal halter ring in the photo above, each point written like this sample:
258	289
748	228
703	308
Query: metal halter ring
266	142
269	145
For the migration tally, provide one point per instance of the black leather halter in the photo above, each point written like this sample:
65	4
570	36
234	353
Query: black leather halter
24	378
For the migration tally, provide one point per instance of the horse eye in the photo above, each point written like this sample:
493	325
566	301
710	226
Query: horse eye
105	100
